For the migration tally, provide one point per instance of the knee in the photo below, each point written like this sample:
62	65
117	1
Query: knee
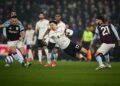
99	54
23	51
55	50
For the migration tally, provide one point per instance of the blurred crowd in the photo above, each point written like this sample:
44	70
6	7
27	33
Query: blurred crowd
78	14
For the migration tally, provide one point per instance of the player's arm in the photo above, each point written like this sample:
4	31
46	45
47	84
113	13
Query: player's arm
1	25
116	33
84	50
36	31
5	24
94	38
47	32
22	33
20	24
81	41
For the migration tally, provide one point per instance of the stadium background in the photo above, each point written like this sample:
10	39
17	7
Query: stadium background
78	14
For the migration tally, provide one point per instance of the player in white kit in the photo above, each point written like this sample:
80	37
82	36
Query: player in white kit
63	41
29	41
41	26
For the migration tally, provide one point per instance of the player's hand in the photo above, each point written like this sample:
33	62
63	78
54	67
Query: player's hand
43	41
90	47
33	39
20	38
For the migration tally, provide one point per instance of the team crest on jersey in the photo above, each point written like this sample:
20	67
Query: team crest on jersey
10	28
58	36
17	28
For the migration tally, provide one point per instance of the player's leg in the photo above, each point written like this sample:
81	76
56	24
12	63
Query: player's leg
55	55
103	49
99	57
30	54
107	58
50	51
48	57
8	60
19	57
40	51
20	45
24	54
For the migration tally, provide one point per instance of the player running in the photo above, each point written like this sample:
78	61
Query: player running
109	37
15	36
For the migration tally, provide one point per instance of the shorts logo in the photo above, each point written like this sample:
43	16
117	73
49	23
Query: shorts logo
77	46
17	28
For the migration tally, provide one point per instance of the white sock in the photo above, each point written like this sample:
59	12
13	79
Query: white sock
48	56
18	56
99	60
55	56
30	55
107	58
40	55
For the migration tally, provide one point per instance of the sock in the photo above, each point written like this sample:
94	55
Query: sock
30	55
99	60
8	60
18	56
40	55
55	56
48	56
107	58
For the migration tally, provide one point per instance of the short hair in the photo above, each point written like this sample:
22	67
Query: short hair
13	10
58	13
53	21
42	13
14	17
100	17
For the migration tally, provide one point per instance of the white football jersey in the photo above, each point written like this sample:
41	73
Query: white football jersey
42	26
61	27
29	37
59	38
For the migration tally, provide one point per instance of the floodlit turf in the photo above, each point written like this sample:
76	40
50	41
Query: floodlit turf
67	73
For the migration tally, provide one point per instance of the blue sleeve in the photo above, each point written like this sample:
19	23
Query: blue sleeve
115	32
21	26
96	35
6	23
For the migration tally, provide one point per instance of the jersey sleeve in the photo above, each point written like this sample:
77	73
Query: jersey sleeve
115	32
96	35
6	23
21	26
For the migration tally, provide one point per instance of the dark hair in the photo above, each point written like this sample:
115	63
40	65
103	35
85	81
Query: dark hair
58	13
53	21
13	17
42	13
13	10
100	17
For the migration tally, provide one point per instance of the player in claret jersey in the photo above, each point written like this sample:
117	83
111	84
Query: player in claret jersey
108	36
15	35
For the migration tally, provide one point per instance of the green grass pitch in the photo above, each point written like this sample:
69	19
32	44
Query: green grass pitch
67	73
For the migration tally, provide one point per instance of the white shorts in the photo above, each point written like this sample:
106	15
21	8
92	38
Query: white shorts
17	43
104	48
